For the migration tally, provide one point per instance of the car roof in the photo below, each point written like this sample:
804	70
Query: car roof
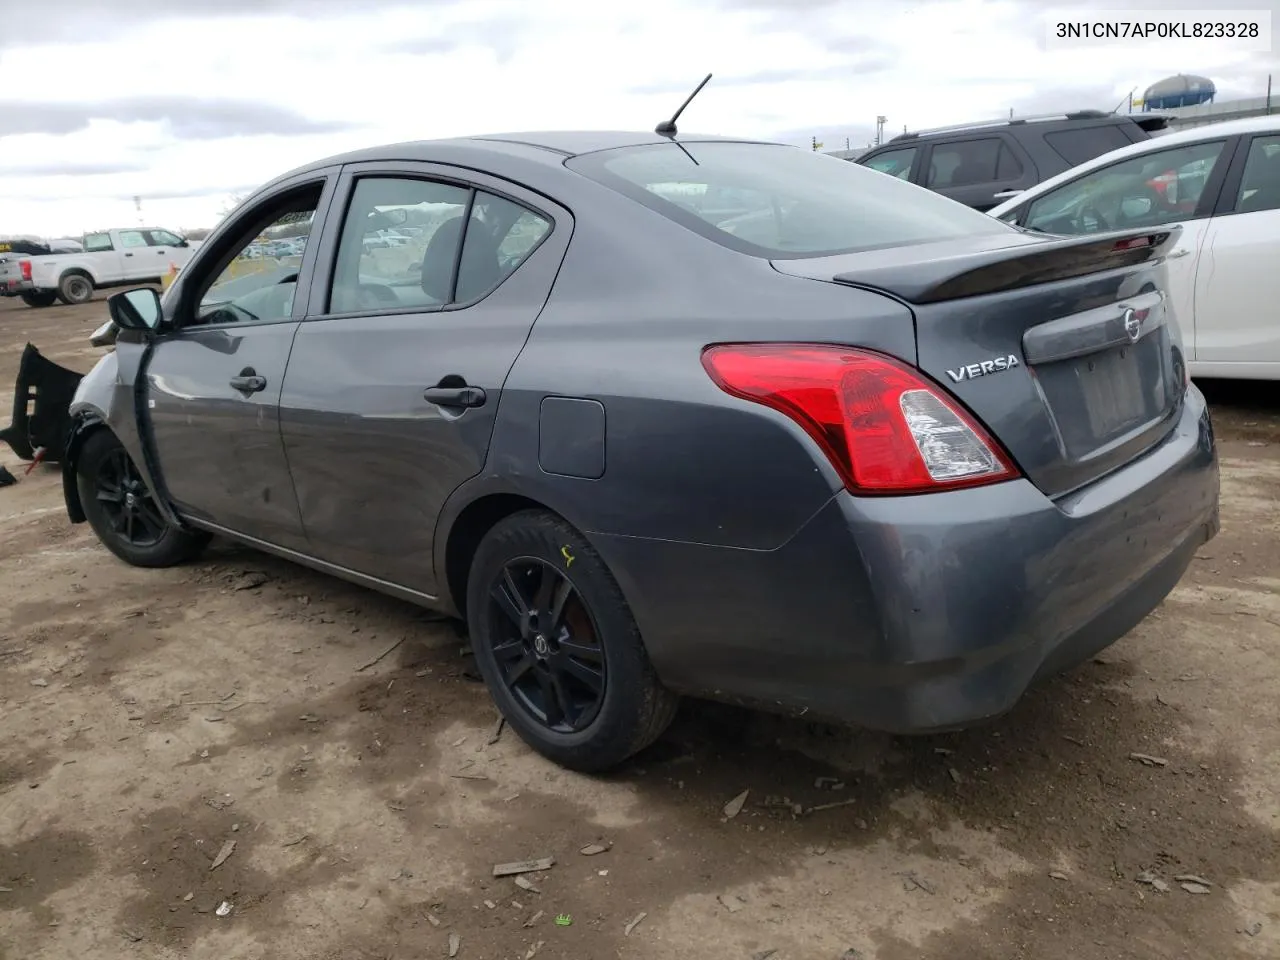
549	147
1211	131
558	143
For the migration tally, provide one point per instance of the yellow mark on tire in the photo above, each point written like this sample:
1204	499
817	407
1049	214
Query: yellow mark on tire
568	557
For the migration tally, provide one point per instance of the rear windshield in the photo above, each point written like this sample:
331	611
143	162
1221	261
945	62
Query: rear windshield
781	202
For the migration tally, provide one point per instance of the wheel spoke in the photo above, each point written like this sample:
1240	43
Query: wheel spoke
128	525
564	590
546	587
510	650
149	518
550	702
108	493
589	677
507	595
581	651
517	672
563	701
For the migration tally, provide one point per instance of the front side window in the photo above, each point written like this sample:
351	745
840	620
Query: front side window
805	204
97	242
163	238
1150	190
251	287
1260	185
400	245
896	163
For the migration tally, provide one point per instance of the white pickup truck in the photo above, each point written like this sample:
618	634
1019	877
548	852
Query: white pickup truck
110	258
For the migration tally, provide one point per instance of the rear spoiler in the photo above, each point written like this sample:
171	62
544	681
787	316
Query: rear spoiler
1151	122
984	272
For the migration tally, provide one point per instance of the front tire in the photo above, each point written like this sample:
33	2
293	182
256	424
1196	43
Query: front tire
558	648
122	512
39	298
75	288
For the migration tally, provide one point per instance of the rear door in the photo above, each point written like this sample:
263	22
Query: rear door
108	263
1238	283
973	170
137	259
396	374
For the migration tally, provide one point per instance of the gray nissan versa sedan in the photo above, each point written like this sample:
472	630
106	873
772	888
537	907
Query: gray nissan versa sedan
662	414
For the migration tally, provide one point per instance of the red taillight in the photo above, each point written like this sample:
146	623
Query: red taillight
25	267
885	427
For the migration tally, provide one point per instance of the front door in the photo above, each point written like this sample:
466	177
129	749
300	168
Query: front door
395	375
1238	284
165	249
213	385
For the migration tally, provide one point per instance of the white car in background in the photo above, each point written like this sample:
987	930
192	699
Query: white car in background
1221	183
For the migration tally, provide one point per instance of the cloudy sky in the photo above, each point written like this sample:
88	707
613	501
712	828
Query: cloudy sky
188	102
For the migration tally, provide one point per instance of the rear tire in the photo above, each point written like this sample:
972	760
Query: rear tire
75	288
122	512
39	298
558	648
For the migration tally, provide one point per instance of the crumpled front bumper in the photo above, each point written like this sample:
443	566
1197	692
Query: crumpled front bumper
42	397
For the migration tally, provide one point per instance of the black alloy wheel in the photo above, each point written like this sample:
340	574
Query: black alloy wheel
122	511
126	501
546	645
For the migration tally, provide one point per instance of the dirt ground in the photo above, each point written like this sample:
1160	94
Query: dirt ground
150	719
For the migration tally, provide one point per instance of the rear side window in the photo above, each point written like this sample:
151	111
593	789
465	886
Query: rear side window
969	162
400	245
803	204
97	242
1077	146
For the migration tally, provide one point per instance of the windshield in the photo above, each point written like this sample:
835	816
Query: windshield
781	202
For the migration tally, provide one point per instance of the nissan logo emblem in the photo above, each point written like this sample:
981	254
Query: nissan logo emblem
1132	324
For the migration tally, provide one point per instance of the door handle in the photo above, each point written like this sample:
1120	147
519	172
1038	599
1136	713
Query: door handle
459	396
248	382
128	254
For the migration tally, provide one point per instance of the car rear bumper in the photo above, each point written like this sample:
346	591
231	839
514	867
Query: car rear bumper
912	614
14	288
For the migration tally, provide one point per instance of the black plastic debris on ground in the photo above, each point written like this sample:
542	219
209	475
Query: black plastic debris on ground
7	479
41	407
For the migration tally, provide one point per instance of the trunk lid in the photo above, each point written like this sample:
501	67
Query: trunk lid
1066	349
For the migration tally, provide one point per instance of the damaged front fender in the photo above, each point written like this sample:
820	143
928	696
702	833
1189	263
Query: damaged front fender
107	399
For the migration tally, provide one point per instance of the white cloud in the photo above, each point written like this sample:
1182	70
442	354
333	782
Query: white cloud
503	65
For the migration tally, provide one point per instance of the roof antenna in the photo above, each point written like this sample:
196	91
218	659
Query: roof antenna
667	128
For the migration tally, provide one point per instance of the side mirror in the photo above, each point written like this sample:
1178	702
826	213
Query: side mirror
136	309
182	243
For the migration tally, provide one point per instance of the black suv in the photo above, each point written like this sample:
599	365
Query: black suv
983	164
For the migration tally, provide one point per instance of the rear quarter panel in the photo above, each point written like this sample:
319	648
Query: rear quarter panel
637	299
